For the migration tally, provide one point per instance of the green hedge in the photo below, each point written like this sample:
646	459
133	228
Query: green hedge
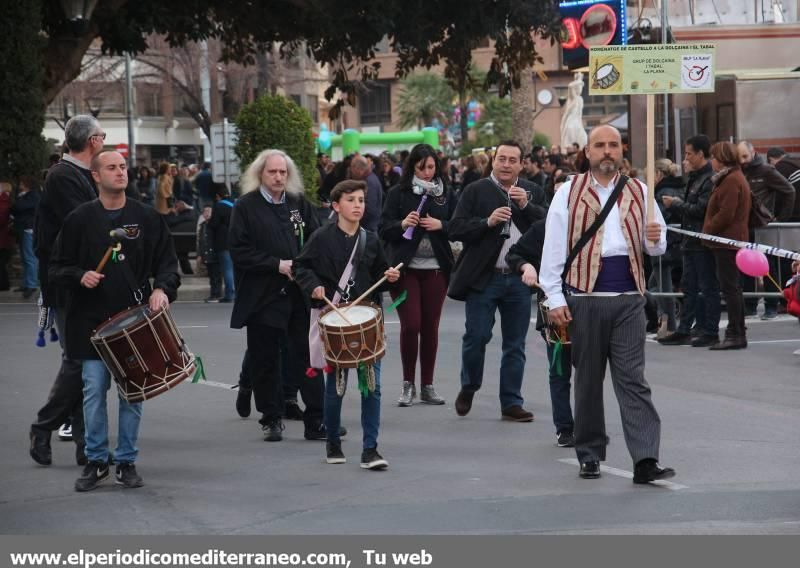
273	121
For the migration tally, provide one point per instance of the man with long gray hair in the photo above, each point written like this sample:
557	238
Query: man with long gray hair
270	224
69	183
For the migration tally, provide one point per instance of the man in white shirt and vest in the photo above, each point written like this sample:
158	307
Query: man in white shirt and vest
601	299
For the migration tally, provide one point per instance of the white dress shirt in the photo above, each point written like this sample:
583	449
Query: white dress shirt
555	252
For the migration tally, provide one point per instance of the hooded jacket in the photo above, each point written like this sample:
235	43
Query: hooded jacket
770	187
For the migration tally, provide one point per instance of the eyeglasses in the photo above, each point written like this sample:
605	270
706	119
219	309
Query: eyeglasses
101	135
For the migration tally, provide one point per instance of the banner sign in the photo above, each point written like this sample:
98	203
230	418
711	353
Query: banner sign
652	69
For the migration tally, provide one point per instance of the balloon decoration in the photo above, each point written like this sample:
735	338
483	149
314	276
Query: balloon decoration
752	262
324	138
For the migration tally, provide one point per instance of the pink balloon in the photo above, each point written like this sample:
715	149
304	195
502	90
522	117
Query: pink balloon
752	262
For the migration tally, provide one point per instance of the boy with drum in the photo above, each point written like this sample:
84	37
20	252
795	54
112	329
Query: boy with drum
97	293
318	270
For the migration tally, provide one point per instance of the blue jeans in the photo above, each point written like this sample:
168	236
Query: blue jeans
226	263
513	298
370	409
701	303
30	264
560	389
96	382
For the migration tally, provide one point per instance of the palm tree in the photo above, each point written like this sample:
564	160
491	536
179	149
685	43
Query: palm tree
424	96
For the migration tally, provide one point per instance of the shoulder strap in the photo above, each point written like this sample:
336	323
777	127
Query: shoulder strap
594	227
226	202
352	264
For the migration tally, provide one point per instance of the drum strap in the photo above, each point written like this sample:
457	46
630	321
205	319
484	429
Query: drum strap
136	290
346	281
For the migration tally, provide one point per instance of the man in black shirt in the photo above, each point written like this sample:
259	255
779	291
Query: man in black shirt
146	252
69	183
269	226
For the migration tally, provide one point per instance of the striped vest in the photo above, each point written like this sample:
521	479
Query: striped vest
583	208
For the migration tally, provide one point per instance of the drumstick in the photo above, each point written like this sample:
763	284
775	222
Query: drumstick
116	236
105	258
337	310
372	289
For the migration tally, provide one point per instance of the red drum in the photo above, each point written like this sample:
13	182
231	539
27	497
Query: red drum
144	352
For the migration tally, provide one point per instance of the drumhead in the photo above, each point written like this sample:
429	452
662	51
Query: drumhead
123	320
356	315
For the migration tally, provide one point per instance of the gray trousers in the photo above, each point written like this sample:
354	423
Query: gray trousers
611	330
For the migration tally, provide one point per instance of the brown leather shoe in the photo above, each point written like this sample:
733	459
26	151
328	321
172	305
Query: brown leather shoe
729	344
464	402
517	414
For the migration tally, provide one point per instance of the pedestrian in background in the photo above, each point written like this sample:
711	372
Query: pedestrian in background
727	216
24	211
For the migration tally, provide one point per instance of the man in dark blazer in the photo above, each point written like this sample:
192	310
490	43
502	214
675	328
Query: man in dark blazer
491	216
269	226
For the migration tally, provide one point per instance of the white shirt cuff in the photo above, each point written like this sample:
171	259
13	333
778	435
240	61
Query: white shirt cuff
555	301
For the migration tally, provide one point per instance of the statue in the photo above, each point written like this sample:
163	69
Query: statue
572	130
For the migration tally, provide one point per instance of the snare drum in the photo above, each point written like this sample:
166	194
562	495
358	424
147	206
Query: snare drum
144	352
346	345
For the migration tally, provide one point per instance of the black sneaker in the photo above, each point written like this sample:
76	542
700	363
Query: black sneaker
319	432
565	439
371	459
243	401
80	454
676	338
273	432
334	453
127	477
92	475
292	410
40	448
212	300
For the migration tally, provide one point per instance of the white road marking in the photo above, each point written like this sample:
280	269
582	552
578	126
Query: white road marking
215	384
629	475
192	326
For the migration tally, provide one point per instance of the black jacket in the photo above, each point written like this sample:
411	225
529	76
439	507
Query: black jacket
24	209
220	223
791	171
66	187
323	260
528	249
399	203
770	187
261	235
671	186
482	243
692	209
148	253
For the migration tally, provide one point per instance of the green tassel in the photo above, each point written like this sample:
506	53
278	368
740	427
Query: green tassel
556	362
302	236
362	380
113	255
400	299
200	371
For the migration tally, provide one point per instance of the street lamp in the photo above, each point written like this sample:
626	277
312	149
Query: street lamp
78	10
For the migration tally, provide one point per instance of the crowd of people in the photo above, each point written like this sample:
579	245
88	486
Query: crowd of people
569	229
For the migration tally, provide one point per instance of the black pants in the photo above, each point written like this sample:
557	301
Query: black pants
264	364
214	279
5	256
290	384
729	285
65	400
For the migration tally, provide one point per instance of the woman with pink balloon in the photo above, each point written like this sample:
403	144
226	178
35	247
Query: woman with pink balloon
727	216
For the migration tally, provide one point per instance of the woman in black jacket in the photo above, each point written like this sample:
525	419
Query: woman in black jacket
24	210
414	226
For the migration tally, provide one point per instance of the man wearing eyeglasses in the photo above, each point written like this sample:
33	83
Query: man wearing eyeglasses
68	184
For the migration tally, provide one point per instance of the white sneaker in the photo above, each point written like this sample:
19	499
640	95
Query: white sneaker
797	353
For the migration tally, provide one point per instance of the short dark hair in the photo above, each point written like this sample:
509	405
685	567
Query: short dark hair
554	159
700	143
513	143
534	159
346	187
776	152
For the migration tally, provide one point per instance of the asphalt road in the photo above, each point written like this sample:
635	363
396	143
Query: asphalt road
729	427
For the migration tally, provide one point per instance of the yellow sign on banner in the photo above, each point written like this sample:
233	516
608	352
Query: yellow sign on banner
652	69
